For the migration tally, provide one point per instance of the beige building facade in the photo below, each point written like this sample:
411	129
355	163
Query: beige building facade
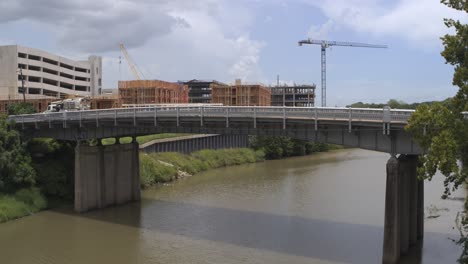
46	74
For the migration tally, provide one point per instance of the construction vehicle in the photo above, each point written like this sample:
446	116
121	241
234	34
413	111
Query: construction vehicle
72	104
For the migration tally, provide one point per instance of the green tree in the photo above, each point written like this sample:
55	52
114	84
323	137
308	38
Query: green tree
15	164
21	109
440	128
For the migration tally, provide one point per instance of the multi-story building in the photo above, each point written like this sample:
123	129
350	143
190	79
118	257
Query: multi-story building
297	95
200	91
241	94
152	92
46	74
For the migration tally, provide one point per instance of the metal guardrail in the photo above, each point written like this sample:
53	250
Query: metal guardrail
314	113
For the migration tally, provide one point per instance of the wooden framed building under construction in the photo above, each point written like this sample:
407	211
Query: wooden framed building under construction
241	94
105	102
152	92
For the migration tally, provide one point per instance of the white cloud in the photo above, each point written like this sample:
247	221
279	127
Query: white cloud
169	39
203	51
322	31
417	21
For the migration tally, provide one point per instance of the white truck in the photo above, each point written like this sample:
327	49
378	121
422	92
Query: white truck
66	105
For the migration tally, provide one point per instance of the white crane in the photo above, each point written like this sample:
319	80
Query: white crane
325	44
133	67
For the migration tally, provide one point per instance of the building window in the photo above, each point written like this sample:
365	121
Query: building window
97	70
99	82
33	57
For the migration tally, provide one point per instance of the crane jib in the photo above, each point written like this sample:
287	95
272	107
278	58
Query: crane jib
326	43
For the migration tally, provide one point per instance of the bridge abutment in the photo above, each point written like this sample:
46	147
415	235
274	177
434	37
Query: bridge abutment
404	207
106	176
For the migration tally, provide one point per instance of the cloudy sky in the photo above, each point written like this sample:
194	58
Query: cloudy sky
250	39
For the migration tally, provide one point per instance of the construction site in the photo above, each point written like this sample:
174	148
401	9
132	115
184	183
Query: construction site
295	95
241	94
129	93
152	92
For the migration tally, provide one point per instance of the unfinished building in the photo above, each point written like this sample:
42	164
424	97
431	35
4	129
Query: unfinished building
200	91
296	95
105	102
241	94
152	92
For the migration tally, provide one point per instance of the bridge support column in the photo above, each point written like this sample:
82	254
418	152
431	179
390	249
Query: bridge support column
403	173
404	207
413	199
106	176
391	243
420	211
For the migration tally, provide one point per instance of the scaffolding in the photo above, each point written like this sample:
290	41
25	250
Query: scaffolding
242	94
152	92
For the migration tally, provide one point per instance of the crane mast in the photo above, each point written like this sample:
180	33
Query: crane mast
130	62
326	44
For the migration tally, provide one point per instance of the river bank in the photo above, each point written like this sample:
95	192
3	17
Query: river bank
168	166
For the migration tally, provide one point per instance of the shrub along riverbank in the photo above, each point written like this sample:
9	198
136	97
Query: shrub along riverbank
167	166
21	203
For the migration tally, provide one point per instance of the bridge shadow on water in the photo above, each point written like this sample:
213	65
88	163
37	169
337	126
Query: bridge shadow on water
294	235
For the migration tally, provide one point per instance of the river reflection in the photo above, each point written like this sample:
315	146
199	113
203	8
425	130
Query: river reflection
325	208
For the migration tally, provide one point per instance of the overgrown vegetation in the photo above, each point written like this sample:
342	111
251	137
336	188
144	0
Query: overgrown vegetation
164	167
21	109
283	147
22	202
15	163
53	162
24	180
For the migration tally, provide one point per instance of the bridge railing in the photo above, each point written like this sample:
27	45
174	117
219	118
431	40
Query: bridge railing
318	113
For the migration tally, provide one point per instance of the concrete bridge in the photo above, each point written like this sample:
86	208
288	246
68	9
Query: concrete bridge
108	175
373	129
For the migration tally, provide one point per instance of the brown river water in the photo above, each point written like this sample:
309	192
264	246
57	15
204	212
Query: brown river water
324	208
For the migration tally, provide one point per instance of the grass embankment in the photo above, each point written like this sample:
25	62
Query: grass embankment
23	202
154	168
142	139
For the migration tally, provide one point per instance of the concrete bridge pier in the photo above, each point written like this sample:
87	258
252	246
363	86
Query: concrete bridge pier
106	175
404	207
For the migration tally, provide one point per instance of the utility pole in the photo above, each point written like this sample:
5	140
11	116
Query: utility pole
22	84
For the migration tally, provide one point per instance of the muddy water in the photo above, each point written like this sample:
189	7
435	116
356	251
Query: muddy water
325	208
